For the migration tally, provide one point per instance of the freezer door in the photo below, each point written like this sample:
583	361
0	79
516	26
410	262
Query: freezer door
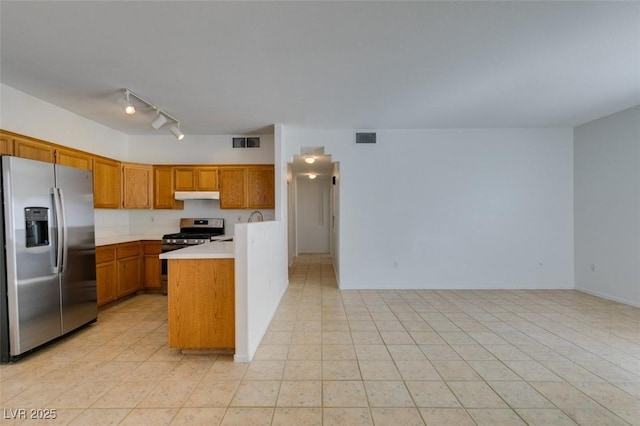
78	269
31	280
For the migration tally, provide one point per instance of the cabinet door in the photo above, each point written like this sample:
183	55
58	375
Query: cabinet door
152	265
184	178
106	282
33	150
233	187
261	187
6	144
207	178
128	275
73	158
136	186
106	183
163	197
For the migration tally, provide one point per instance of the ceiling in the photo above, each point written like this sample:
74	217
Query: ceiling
239	67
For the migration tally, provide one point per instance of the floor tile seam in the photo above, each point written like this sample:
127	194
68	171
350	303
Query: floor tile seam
584	394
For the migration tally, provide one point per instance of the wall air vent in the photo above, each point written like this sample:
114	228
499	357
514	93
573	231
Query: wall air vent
365	138
251	142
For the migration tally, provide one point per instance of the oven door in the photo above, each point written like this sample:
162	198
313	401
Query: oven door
164	280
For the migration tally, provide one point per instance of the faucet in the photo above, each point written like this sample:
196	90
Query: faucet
258	214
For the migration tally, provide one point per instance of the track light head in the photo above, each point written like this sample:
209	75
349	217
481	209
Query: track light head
159	121
176	132
126	104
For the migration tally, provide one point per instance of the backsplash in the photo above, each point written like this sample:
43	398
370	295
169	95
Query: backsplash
158	222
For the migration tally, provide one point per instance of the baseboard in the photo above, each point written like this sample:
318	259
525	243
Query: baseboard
608	297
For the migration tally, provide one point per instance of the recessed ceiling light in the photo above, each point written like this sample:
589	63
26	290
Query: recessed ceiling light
312	176
309	160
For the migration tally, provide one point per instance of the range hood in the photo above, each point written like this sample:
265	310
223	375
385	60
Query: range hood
197	195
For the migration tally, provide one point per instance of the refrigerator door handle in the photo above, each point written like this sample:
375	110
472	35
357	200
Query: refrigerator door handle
63	226
57	268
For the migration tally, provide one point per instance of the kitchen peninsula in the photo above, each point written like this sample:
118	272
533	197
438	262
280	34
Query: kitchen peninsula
201	297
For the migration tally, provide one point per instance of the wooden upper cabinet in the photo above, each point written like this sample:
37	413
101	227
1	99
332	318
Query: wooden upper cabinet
163	197
32	149
73	158
107	181
247	187
206	178
137	186
195	178
184	179
233	187
261	185
6	144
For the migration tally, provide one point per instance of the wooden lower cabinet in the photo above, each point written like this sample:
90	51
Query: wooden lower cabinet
118	271
106	280
128	266
201	303
152	264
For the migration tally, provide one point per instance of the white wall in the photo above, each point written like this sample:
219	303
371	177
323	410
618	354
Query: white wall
261	280
452	208
27	115
607	206
197	149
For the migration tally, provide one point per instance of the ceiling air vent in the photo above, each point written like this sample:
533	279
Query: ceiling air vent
365	138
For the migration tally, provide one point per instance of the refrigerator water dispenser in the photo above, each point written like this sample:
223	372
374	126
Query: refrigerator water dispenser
36	226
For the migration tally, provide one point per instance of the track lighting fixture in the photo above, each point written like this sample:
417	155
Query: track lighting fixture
176	132
159	121
126	104
161	118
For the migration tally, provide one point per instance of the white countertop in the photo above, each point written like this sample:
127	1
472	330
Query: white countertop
213	250
117	239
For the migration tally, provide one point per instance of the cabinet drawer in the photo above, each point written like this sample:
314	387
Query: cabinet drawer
152	247
105	254
127	250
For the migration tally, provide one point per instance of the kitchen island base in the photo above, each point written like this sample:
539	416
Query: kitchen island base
201	299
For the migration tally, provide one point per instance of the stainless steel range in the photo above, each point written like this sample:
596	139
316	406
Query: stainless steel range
192	231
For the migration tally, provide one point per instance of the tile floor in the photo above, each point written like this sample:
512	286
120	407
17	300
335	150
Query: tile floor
335	357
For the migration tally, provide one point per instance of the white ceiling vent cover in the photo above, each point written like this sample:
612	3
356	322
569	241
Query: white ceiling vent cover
365	138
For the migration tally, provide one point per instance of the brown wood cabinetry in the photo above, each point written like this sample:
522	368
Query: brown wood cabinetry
152	265
128	267
163	192
201	303
247	187
32	149
117	271
195	178
261	187
106	183
137	189
6	144
73	158
106	281
233	187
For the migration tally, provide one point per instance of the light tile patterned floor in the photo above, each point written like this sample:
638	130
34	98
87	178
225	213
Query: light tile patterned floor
349	358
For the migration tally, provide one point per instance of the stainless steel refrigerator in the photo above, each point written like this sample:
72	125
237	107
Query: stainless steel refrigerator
48	267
